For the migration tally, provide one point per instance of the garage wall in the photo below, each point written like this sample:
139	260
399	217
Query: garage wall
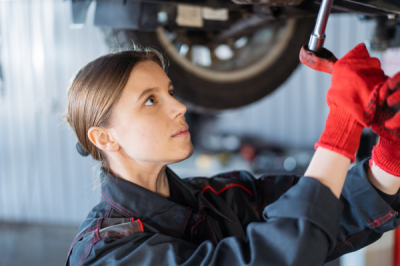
42	177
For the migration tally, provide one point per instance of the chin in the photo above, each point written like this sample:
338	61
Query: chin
185	154
190	152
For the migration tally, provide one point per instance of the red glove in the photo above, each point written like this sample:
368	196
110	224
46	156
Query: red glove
341	134
386	154
355	81
386	121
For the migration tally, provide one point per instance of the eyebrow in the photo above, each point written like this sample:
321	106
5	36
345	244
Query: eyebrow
149	90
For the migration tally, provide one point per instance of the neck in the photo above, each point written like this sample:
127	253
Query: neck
151	176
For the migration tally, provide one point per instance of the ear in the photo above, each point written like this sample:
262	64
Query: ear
102	139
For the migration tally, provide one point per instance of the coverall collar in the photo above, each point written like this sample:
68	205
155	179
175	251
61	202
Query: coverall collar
135	201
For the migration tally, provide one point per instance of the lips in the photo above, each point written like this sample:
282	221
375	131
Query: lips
182	129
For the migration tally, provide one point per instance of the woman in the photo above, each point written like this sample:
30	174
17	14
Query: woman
123	111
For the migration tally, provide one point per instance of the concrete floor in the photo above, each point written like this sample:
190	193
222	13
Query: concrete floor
40	245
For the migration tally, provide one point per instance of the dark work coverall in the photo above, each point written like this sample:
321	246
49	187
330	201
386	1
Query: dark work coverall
233	219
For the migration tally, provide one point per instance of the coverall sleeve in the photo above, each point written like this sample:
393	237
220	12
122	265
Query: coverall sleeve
366	214
299	229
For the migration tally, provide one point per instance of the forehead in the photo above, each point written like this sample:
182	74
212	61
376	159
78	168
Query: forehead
144	75
147	74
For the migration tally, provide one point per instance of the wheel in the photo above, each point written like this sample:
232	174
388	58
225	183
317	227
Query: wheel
228	75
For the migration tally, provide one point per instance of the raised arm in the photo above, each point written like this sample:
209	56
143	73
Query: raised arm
369	208
330	168
359	96
355	79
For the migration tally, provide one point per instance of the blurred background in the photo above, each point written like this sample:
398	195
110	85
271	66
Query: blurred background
47	188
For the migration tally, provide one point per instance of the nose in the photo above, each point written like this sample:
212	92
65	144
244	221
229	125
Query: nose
177	108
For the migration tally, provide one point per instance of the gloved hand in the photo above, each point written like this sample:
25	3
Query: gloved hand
356	79
386	123
356	82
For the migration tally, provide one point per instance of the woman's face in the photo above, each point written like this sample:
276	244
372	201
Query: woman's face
147	116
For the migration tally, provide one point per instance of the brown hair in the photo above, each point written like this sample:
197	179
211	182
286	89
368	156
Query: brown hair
97	87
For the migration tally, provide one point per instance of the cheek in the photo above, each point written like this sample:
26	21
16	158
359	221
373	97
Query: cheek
143	135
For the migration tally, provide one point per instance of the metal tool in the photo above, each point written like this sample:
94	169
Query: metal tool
317	38
314	55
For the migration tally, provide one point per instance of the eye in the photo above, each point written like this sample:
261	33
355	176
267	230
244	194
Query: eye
151	100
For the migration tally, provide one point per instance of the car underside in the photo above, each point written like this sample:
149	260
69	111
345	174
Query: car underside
226	54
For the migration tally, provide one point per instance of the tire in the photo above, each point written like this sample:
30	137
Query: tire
203	89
